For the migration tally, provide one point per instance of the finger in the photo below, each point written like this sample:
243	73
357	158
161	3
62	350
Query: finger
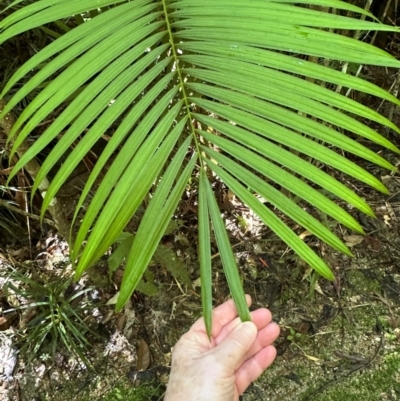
265	337
232	350
260	317
254	367
221	316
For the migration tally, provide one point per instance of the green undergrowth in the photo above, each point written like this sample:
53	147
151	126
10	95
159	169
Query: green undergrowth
144	392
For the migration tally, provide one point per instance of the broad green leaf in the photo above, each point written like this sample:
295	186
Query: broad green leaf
148	287
120	253
173	226
163	256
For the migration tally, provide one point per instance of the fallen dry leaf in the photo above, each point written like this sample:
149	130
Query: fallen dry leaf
386	179
129	312
352	240
196	283
113	300
318	288
312	358
387	219
6	321
373	243
305	234
143	360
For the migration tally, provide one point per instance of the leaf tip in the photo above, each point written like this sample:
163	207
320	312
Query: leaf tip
383	190
120	304
348	252
394	148
330	276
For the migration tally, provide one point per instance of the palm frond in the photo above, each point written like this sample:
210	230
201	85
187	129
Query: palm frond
193	87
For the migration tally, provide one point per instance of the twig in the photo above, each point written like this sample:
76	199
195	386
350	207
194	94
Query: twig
395	88
388	4
26	214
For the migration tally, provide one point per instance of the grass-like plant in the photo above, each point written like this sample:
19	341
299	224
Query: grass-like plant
200	88
55	318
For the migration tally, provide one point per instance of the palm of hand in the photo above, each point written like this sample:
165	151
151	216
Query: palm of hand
222	369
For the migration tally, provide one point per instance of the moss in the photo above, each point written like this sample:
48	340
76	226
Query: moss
141	393
123	392
362	284
381	383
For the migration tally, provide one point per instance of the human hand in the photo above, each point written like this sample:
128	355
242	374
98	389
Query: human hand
222	369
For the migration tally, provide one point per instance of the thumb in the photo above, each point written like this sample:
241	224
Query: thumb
234	347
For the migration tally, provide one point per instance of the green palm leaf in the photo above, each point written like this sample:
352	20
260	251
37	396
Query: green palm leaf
276	224
155	221
227	257
276	198
186	88
205	253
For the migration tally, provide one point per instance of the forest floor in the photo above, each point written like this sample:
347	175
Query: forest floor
339	341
